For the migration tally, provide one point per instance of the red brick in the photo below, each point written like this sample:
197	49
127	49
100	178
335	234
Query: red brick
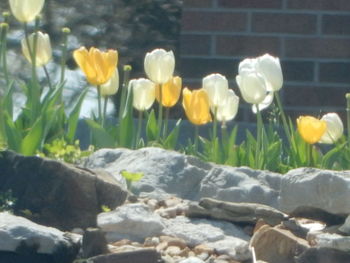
340	5
198	3
250	3
314	96
195	44
249	46
318	48
284	23
336	24
298	70
201	67
213	21
335	72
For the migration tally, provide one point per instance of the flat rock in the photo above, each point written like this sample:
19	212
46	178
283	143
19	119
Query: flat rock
20	238
276	245
58	194
329	240
235	212
135	222
310	187
323	255
169	172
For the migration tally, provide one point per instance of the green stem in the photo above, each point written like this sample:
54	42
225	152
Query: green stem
165	128
47	77
283	116
99	120
215	124
224	138
105	102
139	128
196	135
347	96
160	111
126	76
65	32
3	48
259	132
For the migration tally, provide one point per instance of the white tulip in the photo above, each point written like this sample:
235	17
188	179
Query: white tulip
227	110
270	68
159	65
264	104
144	93
252	87
216	85
247	65
26	10
335	128
43	48
112	85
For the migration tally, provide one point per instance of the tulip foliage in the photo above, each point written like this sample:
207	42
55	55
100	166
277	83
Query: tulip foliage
46	124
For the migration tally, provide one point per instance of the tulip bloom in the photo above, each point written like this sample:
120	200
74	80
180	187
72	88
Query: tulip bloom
196	106
159	65
111	86
26	10
216	85
43	51
228	109
144	93
335	128
270	68
98	66
171	91
311	129
252	86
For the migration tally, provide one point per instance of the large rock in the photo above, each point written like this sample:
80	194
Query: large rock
323	255
248	213
58	194
309	187
276	245
170	172
24	241
140	255
132	221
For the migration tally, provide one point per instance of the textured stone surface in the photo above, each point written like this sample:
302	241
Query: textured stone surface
19	235
187	177
323	255
275	245
333	241
235	212
58	194
323	189
132	221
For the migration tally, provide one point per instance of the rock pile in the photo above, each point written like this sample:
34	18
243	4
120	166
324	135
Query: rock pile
187	211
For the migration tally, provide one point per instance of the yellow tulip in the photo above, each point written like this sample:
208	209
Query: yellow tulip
98	66
196	105
311	129
171	91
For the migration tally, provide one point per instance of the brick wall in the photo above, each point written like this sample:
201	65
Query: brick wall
311	37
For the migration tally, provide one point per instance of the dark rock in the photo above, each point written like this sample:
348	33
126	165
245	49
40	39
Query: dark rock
318	214
235	212
323	255
141	255
57	194
94	243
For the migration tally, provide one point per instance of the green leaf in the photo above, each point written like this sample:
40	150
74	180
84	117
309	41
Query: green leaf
100	138
32	141
73	117
151	127
132	177
171	140
126	124
14	137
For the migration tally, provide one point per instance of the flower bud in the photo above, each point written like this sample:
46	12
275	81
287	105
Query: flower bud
159	65
335	128
144	93
43	52
26	10
216	85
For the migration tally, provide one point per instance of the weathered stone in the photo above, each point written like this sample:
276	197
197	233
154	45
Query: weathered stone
132	221
172	173
323	255
235	212
328	240
309	187
140	255
318	214
345	228
22	241
276	245
192	260
58	194
94	243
